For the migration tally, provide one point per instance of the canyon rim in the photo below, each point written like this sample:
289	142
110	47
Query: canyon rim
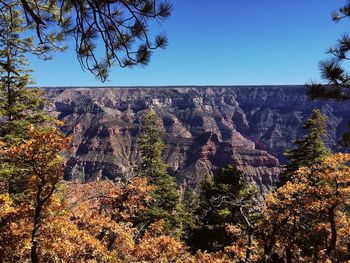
206	128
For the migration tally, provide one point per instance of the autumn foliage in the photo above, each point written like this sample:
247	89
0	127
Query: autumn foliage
22	219
308	218
305	220
71	222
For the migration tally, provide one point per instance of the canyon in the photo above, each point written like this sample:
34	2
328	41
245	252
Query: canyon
206	128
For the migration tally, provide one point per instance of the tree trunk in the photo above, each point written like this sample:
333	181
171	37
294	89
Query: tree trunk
315	257
35	231
288	255
249	246
332	222
36	224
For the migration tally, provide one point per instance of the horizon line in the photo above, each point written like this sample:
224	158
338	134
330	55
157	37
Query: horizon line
171	86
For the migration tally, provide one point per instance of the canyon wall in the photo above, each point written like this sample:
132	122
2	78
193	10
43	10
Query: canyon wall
206	128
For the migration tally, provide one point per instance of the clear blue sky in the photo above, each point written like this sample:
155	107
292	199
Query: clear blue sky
222	42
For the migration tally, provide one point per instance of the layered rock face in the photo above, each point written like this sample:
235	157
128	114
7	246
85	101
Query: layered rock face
206	128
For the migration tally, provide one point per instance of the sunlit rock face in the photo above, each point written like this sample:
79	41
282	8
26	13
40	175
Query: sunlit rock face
206	128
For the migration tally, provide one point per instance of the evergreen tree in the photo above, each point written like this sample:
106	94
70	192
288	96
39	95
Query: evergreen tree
166	204
119	28
310	149
20	107
226	199
334	74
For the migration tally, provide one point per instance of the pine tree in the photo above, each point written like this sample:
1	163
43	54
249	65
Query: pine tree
226	199
334	73
166	204
310	149
333	70
20	106
119	28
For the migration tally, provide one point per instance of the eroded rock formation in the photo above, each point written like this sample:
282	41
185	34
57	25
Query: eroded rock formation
207	128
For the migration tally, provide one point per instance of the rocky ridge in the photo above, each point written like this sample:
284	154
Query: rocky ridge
206	128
